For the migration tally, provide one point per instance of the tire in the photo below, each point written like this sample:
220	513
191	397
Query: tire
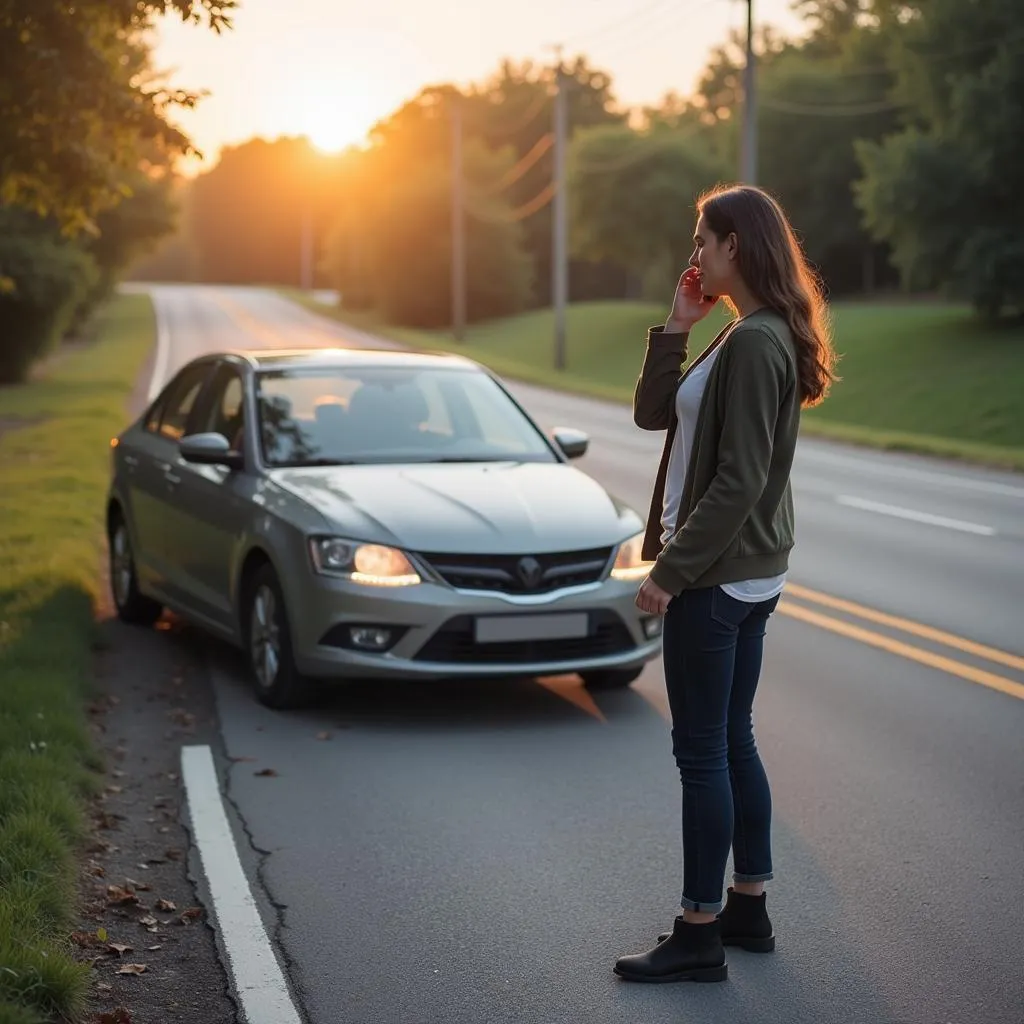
268	644
132	606
611	678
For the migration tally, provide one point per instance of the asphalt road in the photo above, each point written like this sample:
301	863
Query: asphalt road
480	854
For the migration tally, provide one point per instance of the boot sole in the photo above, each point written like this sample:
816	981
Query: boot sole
750	944
698	974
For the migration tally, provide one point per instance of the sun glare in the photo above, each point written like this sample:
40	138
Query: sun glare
332	127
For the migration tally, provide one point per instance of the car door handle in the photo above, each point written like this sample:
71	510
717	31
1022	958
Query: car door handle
131	461
172	478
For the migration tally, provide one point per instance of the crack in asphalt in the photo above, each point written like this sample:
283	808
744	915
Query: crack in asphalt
291	967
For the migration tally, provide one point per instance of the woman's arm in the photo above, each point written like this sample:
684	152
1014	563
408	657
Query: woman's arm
656	387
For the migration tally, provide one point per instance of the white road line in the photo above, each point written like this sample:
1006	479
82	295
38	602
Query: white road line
163	349
917	517
879	468
259	983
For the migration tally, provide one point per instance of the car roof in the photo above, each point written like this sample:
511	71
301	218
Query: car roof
333	358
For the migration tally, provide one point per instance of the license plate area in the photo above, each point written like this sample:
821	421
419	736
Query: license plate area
492	629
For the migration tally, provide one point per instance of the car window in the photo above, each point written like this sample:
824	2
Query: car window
225	413
180	401
391	415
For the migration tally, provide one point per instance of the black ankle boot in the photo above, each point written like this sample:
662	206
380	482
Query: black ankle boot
692	952
745	923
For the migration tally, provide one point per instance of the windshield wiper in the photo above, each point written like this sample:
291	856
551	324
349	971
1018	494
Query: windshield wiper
321	461
468	458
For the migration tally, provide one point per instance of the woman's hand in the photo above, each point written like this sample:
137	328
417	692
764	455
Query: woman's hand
651	598
688	304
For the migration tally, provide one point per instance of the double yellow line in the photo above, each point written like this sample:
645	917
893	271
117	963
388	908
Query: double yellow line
902	649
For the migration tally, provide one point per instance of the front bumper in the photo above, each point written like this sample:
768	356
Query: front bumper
437	639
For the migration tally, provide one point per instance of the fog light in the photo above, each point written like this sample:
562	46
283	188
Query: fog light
370	638
653	627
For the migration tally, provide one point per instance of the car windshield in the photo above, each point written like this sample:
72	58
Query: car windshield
361	414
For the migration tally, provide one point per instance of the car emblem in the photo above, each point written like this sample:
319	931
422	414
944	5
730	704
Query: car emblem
529	570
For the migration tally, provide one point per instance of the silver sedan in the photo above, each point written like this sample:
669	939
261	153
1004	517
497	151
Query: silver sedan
352	514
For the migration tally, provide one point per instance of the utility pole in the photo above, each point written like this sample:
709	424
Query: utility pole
748	172
458	225
559	246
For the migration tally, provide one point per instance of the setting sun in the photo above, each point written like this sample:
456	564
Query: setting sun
333	126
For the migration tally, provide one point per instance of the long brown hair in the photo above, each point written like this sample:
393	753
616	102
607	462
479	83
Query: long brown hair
772	264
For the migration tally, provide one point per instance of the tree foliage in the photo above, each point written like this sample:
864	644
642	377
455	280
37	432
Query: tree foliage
943	191
77	96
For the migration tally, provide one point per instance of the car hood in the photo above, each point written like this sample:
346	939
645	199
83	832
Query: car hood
500	508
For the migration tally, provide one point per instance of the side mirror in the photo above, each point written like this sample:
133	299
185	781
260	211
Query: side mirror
574	443
209	450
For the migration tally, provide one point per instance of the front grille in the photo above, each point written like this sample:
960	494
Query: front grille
454	642
521	574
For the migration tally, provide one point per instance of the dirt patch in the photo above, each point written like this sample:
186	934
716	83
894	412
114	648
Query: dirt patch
143	929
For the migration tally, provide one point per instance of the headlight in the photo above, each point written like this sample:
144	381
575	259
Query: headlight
372	564
629	564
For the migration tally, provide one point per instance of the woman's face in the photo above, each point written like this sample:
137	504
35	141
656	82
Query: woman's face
714	258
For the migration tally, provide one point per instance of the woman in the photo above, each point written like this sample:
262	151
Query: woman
720	532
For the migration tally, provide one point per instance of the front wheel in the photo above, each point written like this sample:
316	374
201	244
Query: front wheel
131	604
611	678
276	680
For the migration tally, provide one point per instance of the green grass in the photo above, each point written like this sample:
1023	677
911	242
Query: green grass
919	377
54	469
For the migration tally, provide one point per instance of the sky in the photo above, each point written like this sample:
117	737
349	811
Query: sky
331	68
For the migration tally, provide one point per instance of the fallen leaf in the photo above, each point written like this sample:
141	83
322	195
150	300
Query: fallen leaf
97	870
149	921
190	915
117	896
170	855
163	830
153	949
132	969
84	939
115	789
101	934
119	948
103	988
323	735
236	760
165	905
130	883
118	1016
266	772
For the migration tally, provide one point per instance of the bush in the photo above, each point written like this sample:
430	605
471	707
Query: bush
46	281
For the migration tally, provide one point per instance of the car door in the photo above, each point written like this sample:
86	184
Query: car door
209	507
145	457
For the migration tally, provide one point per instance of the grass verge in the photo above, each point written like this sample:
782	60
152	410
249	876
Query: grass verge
918	377
54	455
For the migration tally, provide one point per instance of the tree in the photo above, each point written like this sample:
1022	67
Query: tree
633	198
391	248
515	108
941	191
245	217
76	96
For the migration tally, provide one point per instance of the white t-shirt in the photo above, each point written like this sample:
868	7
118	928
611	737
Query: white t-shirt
688	399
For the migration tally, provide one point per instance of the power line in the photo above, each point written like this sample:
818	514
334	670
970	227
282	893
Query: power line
538	103
618	23
528	209
833	110
513	174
